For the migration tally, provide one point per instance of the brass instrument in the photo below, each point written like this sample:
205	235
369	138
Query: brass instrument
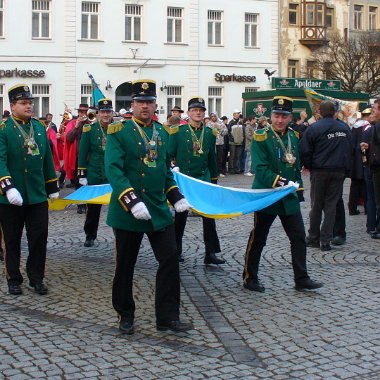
66	117
91	116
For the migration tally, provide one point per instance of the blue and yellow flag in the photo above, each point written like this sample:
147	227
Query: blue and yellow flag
96	92
205	198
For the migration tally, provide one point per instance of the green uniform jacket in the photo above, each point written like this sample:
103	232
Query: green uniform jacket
201	166
33	176
267	161
133	181
91	154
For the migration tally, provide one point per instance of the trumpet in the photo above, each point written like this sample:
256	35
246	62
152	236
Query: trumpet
91	116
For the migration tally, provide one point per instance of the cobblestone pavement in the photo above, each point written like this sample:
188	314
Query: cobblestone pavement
71	333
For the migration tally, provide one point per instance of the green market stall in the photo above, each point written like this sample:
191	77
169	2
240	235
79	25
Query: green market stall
259	103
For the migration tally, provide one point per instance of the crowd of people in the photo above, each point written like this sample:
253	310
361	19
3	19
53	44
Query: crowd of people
137	155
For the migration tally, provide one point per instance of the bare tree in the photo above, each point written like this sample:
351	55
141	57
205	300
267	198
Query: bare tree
355	62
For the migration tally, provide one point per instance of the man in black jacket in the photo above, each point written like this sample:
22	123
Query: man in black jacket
325	149
371	145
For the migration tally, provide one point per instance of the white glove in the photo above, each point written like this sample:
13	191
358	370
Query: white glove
176	169
14	197
83	181
182	205
53	196
140	211
295	184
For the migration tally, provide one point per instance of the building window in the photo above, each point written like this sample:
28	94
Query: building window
293	68
215	99
1	18
330	17
372	18
358	17
133	22
251	89
174	97
315	14
251	21
40	19
41	93
86	94
90	21
1	99
215	21
174	27
310	69
293	14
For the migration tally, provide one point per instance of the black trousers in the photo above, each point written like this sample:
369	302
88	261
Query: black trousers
340	220
210	236
295	230
167	279
35	219
92	221
326	190
219	159
357	191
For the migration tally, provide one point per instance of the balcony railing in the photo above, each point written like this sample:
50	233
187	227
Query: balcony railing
313	35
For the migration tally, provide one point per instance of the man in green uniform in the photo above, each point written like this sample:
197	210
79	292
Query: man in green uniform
91	163
192	147
275	160
138	168
27	179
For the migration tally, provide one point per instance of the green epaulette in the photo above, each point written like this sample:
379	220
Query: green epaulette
87	128
260	134
295	132
171	129
115	127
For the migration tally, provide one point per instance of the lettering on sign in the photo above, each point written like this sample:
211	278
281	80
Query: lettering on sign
234	78
17	73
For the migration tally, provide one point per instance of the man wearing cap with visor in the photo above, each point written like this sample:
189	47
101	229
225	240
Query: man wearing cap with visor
91	163
27	179
192	147
138	168
275	161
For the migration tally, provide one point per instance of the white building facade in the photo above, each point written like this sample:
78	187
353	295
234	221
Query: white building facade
216	49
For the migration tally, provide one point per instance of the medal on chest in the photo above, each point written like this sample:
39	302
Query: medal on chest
197	143
150	144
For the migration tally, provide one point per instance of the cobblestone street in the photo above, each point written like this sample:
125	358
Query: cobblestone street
71	333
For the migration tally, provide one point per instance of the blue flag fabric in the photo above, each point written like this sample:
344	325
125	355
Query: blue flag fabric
96	92
205	198
220	202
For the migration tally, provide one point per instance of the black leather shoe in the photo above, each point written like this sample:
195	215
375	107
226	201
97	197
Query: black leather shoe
375	235
338	240
176	326
1	255
326	247
312	243
254	286
354	212
126	325
308	284
212	259
14	289
81	209
89	243
39	288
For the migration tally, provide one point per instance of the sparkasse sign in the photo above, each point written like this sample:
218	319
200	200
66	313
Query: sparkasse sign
17	73
234	78
301	83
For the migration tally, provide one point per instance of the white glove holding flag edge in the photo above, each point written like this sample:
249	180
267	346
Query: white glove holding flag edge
14	197
182	205
53	196
295	184
140	211
83	181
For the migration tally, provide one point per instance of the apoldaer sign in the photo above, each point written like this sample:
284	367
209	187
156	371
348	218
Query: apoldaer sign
302	83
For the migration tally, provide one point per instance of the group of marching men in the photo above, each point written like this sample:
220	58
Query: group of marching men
135	156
